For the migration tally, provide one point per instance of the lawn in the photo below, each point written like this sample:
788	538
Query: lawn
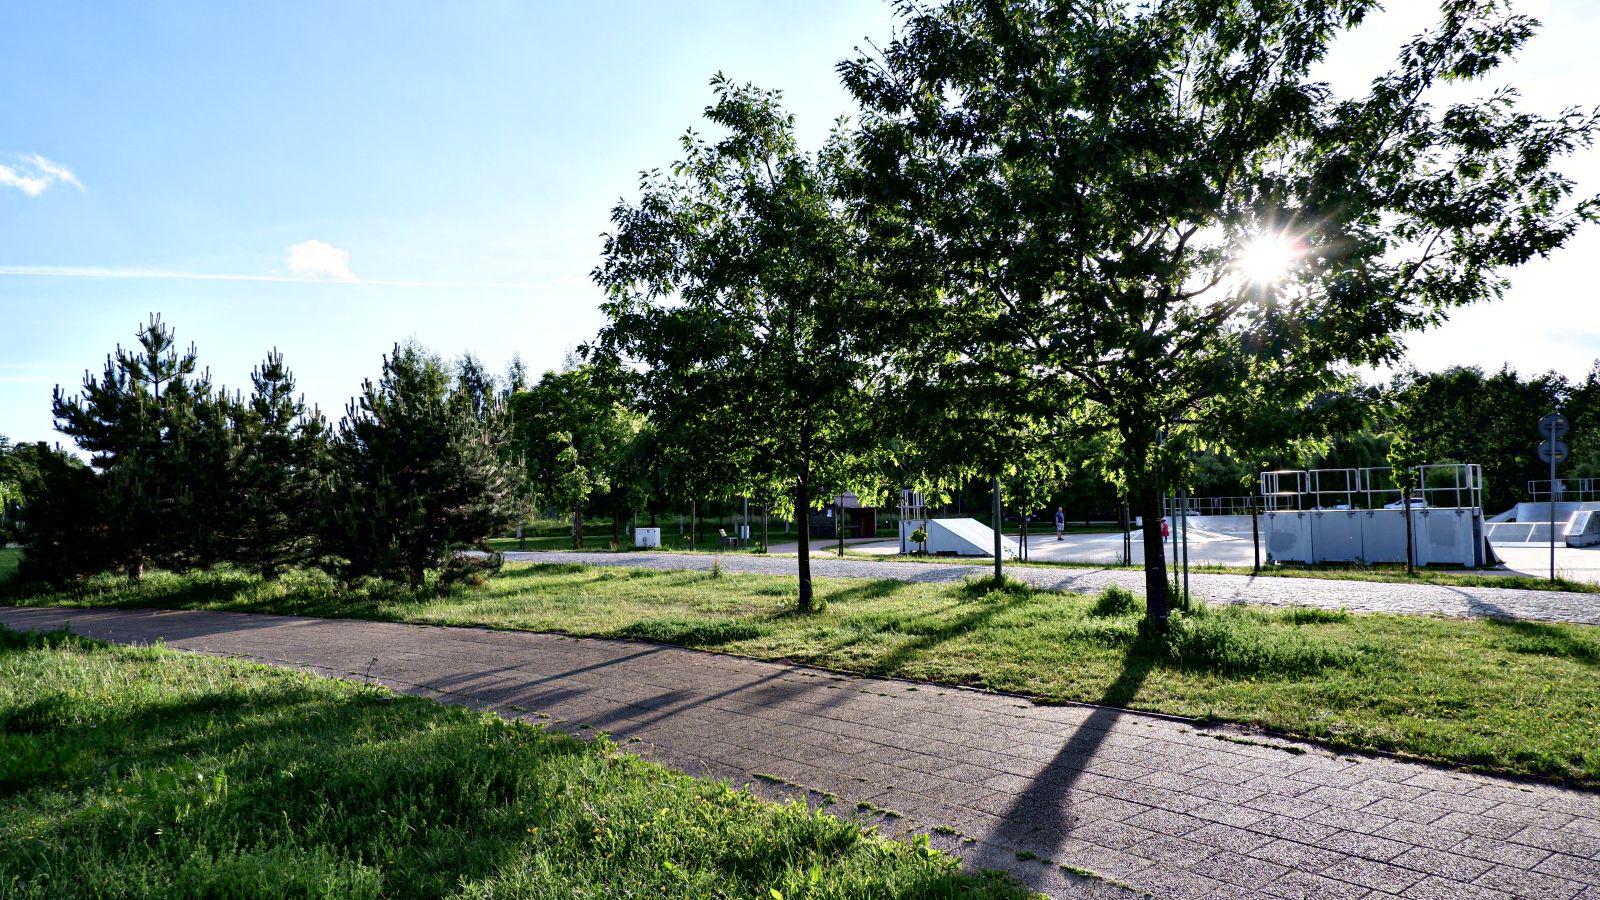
140	772
1509	697
9	558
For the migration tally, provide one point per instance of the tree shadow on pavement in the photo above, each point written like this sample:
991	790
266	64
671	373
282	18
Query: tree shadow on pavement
1040	818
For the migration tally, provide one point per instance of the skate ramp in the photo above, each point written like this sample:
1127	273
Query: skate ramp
966	537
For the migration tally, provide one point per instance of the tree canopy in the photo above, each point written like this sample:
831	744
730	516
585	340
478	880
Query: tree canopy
739	282
1158	219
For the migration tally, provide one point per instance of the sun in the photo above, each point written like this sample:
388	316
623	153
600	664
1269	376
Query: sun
1267	258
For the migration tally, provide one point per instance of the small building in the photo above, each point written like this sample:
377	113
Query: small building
859	521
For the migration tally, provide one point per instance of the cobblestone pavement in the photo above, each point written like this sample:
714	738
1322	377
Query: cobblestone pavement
1164	806
1357	596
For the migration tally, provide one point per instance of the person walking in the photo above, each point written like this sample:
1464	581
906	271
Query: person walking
1061	522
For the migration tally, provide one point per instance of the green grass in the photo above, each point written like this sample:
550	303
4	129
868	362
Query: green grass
1509	697
140	772
9	558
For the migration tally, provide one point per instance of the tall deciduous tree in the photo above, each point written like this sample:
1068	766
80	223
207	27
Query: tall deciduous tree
574	434
1155	214
738	282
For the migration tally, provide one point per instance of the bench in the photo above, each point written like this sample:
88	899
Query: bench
726	541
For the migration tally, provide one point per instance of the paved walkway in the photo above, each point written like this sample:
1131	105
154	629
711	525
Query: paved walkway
1161	805
1357	596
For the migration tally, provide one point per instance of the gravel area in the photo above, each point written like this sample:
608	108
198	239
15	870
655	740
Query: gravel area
1357	596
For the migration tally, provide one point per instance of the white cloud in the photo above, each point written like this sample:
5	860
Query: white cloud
320	259
34	175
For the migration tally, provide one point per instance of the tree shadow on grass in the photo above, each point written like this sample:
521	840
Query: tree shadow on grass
1546	639
876	589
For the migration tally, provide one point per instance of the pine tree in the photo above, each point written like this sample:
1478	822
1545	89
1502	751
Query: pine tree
130	421
416	475
281	450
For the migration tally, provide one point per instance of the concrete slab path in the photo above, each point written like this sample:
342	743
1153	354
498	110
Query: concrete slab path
1162	806
1357	596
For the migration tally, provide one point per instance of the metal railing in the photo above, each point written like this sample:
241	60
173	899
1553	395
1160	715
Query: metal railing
1444	485
1576	490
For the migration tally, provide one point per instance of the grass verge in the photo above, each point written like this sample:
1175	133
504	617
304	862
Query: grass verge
9	558
140	772
1517	698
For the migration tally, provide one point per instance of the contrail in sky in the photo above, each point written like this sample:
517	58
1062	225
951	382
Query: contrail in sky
171	275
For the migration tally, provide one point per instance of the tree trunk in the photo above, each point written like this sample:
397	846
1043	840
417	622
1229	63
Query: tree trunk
577	527
1157	602
998	520
838	528
802	515
616	533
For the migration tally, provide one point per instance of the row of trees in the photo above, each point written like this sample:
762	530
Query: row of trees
1045	232
184	475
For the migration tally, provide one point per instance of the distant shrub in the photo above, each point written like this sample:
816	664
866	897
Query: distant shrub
1309	615
1116	601
1237	643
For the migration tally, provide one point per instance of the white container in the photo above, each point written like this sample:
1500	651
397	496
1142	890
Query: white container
647	537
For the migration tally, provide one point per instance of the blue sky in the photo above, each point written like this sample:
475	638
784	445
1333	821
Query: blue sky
444	170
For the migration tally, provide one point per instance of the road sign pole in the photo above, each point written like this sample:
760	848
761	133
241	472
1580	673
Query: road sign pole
1552	451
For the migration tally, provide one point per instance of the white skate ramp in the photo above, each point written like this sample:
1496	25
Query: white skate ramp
966	537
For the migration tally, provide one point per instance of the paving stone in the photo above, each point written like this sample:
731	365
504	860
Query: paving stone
1514	855
1165	850
1294	829
1443	863
1229	814
1559	841
1227	837
1355	822
1530	885
1298	856
1167	823
1436	888
1306	886
1366	846
1375	875
1111	835
1406	811
1480	825
1238	869
1530	815
1577	868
